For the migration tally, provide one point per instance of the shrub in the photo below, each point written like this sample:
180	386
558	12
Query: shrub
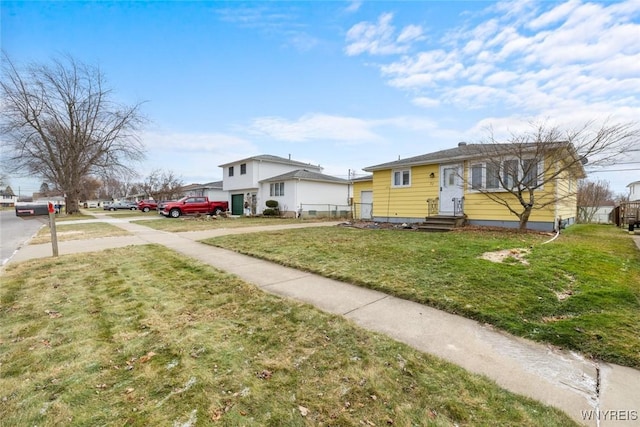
270	212
272	204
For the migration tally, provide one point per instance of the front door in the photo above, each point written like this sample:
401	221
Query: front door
450	188
366	204
237	204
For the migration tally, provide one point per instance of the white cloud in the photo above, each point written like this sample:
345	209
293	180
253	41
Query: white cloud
571	59
379	38
354	6
425	102
193	142
315	127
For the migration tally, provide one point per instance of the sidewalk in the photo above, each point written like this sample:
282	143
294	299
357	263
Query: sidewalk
561	379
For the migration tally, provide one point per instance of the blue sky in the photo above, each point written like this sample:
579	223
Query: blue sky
342	84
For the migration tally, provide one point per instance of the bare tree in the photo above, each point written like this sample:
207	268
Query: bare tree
513	173
89	188
60	123
591	196
44	189
162	185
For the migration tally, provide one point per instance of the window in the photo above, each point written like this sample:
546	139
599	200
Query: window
402	178
510	173
276	189
243	169
476	176
514	174
493	176
230	170
530	173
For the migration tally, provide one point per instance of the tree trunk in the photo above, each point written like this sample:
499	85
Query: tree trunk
71	201
524	218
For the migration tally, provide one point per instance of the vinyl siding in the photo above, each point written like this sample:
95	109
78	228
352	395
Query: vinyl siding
404	202
359	187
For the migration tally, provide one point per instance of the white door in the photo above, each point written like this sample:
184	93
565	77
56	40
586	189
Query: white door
450	187
366	204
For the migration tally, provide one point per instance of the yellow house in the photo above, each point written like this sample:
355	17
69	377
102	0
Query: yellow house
483	184
363	197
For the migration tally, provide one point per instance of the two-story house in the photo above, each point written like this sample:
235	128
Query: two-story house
241	179
293	184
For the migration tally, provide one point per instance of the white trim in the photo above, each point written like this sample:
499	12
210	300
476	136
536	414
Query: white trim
400	171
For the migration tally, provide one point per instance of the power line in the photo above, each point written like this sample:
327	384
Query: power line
612	170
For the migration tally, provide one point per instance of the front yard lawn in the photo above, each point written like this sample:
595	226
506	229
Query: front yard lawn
145	337
193	223
80	231
581	291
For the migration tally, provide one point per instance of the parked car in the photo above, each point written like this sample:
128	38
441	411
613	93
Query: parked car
147	205
121	205
194	205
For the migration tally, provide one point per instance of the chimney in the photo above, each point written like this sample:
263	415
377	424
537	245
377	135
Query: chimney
462	144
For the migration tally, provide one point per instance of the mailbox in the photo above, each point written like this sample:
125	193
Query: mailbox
32	209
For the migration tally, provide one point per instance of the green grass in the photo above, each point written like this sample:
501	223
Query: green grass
66	232
580	292
192	223
142	336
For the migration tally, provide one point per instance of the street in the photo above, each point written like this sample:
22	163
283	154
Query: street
15	231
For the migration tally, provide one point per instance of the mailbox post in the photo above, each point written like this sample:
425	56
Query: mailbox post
52	226
38	210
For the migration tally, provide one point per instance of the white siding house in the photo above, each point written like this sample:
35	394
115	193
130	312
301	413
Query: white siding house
212	190
241	179
7	197
308	193
634	191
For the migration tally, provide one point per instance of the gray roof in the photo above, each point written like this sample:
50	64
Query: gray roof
362	178
463	152
272	159
306	175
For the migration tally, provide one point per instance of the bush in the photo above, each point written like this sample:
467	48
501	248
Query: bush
270	212
272	204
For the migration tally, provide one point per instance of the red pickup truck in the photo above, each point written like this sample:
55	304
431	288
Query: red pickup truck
194	205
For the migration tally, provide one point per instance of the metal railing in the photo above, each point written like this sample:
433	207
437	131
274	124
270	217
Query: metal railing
458	206
433	206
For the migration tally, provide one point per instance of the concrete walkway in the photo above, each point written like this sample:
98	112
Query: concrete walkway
562	379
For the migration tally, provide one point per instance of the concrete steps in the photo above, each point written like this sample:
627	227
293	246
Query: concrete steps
441	223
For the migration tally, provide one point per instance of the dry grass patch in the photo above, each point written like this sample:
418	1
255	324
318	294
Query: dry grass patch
141	336
204	222
66	232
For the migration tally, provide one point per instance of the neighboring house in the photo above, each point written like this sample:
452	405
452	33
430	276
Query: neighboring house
307	193
241	180
596	214
363	197
454	182
212	190
634	191
7	197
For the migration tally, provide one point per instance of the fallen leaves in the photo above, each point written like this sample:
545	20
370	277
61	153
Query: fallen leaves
53	314
264	375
